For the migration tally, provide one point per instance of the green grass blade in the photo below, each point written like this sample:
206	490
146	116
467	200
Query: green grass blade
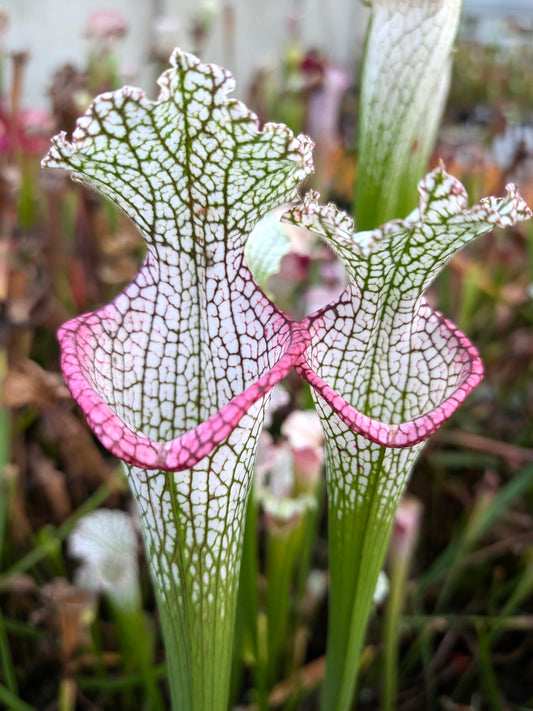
453	555
57	536
13	703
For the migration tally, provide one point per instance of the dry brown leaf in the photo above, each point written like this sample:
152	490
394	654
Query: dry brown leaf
27	384
52	483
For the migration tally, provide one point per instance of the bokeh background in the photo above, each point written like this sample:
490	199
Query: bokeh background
466	637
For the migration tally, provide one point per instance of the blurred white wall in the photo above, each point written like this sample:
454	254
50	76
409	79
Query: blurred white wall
52	31
245	34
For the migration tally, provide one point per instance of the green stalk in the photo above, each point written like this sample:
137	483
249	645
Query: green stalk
67	695
401	550
398	582
6	662
304	562
488	676
246	643
283	550
118	683
357	546
13	703
356	557
137	650
197	639
521	591
194	559
363	490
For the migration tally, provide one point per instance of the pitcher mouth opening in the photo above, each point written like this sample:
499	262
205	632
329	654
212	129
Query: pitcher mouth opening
130	444
414	430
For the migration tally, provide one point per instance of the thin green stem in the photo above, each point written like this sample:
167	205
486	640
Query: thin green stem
398	582
137	650
118	683
454	553
67	695
13	703
485	513
8	670
487	672
246	645
56	536
282	549
494	622
521	591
